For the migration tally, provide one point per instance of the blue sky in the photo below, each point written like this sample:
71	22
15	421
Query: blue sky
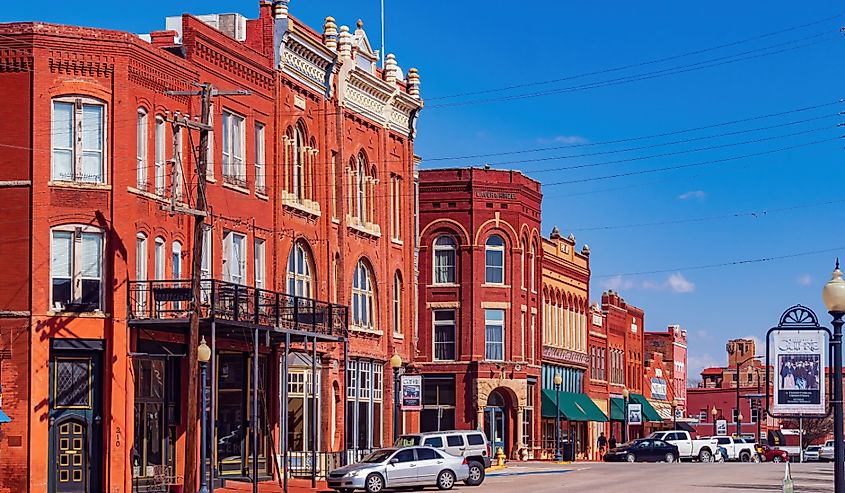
774	63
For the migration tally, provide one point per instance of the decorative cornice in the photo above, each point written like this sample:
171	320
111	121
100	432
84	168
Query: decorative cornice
307	61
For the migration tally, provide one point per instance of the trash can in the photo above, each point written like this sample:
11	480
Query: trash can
568	450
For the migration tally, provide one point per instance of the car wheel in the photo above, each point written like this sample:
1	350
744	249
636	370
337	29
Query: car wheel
445	480
705	456
630	458
374	483
670	457
476	474
777	458
744	457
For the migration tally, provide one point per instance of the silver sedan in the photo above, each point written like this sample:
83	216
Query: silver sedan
391	468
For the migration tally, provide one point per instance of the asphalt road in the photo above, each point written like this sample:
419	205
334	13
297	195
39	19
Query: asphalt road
656	478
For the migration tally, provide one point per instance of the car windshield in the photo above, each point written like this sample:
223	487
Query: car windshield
407	441
377	456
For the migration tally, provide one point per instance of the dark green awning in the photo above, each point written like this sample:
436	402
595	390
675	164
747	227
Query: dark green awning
649	413
573	406
617	409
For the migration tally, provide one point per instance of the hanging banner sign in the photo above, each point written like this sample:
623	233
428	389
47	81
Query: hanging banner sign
799	360
721	427
635	414
411	393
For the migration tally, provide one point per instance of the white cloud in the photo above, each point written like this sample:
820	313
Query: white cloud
617	283
680	284
693	194
564	139
805	280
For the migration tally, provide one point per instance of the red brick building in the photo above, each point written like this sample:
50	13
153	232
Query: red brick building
310	235
598	386
480	340
672	346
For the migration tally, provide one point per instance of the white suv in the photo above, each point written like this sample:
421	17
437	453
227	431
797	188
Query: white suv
471	444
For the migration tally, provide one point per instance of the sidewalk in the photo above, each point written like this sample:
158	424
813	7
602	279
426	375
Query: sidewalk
294	486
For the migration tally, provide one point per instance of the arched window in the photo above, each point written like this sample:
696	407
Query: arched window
397	303
361	188
299	271
298	171
444	260
159	259
494	260
176	260
531	262
524	273
363	306
142	157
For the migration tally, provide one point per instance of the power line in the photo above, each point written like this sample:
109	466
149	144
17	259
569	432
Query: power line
724	264
638	64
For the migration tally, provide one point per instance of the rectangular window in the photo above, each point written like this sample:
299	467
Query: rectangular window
78	140
444	335
528	416
494	331
333	184
176	176
76	269
234	257
209	157
159	260
160	164
176	261
141	271
260	183
141	161
396	207
438	403
755	414
734	414
364	427
397	304
258	263
206	253
234	170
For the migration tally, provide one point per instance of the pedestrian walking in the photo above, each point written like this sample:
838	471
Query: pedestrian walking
612	442
602	443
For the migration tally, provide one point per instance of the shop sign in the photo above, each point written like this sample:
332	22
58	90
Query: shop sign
566	356
658	389
495	195
721	427
411	392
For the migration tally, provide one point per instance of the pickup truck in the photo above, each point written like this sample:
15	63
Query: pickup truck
826	452
738	448
688	447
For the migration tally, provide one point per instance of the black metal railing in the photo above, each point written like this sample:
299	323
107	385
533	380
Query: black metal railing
299	463
223	300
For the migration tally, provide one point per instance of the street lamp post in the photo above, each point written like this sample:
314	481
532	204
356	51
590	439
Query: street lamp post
833	295
675	414
738	423
625	395
714	413
558	380
203	355
396	364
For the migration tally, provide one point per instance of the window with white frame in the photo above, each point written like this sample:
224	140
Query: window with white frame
494	331
531	266
397	303
78	137
365	395
444	335
528	414
299	168
301	395
734	414
159	260
260	173
207	246
234	257
160	164
141	144
76	268
755	414
141	270
444	260
396	207
363	305
209	156
494	260
176	260
300	262
258	262
234	163
176	174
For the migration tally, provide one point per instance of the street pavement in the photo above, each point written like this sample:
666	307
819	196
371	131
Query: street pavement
656	478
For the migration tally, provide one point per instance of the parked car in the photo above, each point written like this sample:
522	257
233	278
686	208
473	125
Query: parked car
689	447
643	450
463	443
738	448
811	453
391	468
769	454
826	452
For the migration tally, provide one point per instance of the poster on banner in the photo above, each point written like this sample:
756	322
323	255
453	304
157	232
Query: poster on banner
721	427
411	392
658	389
635	414
798	372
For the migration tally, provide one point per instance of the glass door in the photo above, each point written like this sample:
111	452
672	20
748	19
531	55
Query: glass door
231	414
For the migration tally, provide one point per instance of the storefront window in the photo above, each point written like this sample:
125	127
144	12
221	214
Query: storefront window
438	403
301	394
156	417
364	392
528	416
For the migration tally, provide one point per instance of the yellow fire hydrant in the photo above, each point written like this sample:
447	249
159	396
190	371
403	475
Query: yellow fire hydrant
500	457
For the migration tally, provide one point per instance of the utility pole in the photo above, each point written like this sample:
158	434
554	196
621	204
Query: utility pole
199	213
